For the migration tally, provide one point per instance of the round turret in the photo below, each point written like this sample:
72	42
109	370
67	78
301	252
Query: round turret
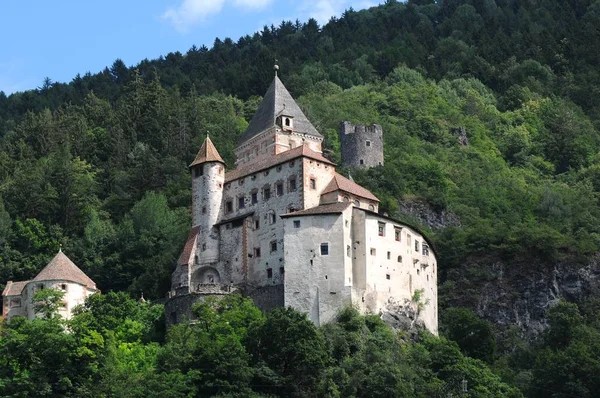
362	146
208	176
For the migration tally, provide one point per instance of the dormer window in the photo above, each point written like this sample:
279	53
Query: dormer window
286	122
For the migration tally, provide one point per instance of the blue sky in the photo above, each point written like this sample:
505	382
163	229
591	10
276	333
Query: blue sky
60	38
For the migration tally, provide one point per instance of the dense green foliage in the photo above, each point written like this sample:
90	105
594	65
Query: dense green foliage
99	166
112	347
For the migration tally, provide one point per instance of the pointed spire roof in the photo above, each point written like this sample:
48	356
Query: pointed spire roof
62	268
277	101
207	153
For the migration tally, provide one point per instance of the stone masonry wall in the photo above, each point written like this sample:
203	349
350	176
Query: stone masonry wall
362	146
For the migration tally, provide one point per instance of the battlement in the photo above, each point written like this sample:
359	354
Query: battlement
362	145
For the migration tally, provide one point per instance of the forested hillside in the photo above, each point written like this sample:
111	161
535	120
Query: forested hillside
99	165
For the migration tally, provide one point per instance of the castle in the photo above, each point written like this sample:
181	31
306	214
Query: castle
60	273
284	228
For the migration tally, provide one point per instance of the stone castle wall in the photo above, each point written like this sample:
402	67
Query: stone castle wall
362	145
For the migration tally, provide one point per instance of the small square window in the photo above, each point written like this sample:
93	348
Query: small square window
313	183
273	246
373	251
387	276
296	223
324	249
279	188
361	161
254	198
228	206
269	273
381	228
397	234
257	252
241	202
399	259
368	143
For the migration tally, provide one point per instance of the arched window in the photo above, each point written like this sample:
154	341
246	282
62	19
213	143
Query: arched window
357	203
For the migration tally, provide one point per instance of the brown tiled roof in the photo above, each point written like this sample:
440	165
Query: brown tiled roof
14	288
186	253
277	101
207	153
331	208
283	157
341	183
62	268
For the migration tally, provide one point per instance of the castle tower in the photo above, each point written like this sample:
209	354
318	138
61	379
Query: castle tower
277	126
362	146
208	176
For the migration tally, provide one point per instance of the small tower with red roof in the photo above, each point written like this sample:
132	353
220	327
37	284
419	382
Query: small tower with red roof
208	176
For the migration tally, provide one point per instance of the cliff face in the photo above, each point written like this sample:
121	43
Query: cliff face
518	294
508	293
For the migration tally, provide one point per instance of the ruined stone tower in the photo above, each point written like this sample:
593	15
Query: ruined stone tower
362	146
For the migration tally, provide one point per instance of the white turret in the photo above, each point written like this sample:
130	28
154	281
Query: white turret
208	176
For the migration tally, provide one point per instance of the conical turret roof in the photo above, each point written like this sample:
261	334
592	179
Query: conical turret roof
62	268
277	101
207	153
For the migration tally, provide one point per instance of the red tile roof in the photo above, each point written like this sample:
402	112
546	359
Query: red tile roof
62	268
207	153
301	151
189	247
341	183
331	208
14	288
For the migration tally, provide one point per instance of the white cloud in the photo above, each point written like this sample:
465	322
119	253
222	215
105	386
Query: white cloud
191	12
255	4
